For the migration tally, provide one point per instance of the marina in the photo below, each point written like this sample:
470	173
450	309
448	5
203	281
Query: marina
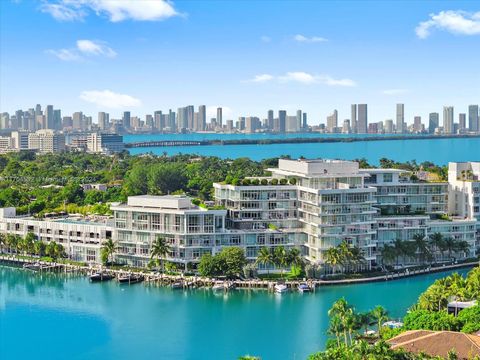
117	320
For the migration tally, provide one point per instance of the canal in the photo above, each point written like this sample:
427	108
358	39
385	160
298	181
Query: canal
49	315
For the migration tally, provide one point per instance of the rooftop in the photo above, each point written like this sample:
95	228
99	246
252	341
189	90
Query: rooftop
438	343
164	202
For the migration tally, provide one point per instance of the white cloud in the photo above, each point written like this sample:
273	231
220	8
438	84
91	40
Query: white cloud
91	47
83	49
298	76
63	12
394	91
261	78
456	22
304	78
109	99
313	39
265	39
65	54
115	10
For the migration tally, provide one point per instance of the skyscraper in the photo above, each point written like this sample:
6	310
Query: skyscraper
362	123
353	120
448	119
102	120
400	118
270	119
332	121
299	119
57	119
126	119
282	121
433	122
190	114
304	125
77	120
473	118
219	117
202	118
417	123
48	117
462	122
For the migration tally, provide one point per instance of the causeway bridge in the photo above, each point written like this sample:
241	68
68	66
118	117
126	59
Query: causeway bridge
164	143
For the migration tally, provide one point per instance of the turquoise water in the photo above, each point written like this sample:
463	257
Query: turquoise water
439	151
48	316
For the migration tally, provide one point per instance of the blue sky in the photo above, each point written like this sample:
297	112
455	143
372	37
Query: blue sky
247	56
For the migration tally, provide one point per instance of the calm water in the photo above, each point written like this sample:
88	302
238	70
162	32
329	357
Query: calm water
49	316
439	151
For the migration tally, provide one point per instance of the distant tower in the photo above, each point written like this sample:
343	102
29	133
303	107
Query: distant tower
353	120
219	117
433	122
270	119
448	119
202	118
473	118
282	121
126	119
400	118
362	123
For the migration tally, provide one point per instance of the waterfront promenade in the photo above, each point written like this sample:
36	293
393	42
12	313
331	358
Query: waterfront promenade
198	282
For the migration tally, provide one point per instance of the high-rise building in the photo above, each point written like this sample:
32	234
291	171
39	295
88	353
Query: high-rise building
400	119
202	118
219	117
353	119
433	122
57	119
473	118
462	122
332	122
291	124
282	121
417	123
448	119
77	120
46	141
126	120
362	123
346	126
304	125
38	110
252	123
103	120
388	126
270	120
299	119
48	117
230	125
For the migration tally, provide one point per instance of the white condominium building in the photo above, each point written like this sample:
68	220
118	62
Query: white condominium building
312	205
464	181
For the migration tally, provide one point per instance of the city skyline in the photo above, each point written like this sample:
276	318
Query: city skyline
92	60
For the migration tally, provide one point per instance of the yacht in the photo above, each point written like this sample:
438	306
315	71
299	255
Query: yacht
304	288
280	288
101	276
130	279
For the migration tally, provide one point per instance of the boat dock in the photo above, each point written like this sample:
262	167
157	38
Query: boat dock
195	282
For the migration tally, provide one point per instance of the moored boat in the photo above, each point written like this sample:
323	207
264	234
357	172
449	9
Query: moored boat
304	288
101	276
219	285
130	279
32	266
177	285
280	288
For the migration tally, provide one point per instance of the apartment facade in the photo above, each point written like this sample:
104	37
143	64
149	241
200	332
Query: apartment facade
312	205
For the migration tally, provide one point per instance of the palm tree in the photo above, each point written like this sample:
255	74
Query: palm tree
159	250
450	244
463	247
344	312
265	258
333	257
280	257
437	242
3	242
39	248
399	248
421	246
380	315
28	242
365	320
357	256
294	257
389	254
107	251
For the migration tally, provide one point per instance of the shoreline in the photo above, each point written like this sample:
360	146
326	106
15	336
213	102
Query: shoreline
188	282
293	140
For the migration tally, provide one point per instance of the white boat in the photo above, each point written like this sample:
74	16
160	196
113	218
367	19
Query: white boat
177	285
280	288
393	324
304	288
219	285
